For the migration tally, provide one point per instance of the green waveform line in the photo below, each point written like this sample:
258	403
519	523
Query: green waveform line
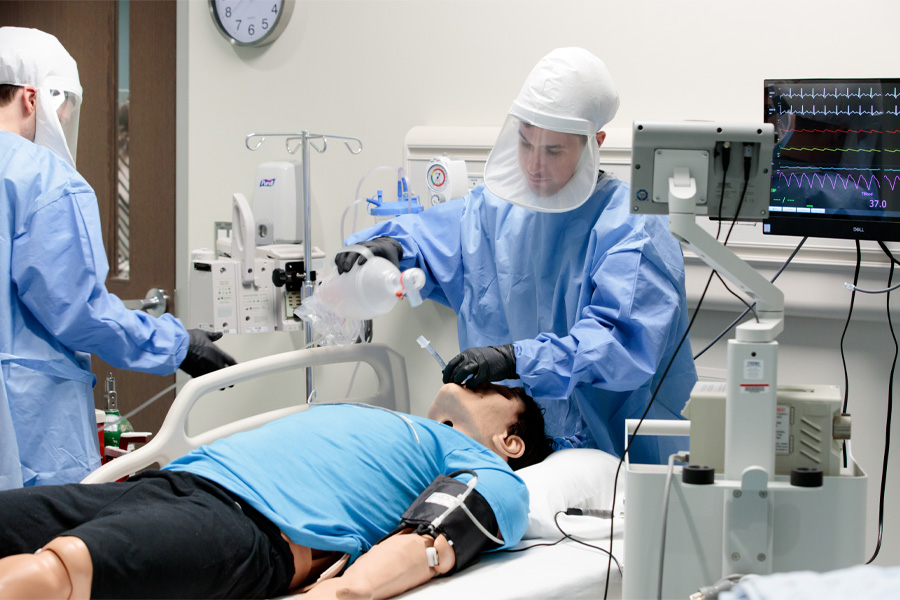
839	150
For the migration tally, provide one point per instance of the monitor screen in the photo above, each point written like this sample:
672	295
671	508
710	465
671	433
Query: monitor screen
836	163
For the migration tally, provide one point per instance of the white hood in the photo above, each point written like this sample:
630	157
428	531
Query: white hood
32	57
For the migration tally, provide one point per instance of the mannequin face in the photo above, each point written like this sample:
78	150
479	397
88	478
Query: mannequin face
485	414
548	158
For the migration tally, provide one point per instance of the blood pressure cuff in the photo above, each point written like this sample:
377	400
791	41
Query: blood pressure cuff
465	537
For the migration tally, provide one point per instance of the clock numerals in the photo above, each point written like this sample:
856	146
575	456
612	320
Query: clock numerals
250	23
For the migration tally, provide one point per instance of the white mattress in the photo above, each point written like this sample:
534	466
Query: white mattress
565	571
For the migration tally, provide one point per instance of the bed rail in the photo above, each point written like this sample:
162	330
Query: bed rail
173	441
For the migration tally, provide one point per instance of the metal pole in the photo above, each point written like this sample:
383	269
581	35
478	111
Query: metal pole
307	254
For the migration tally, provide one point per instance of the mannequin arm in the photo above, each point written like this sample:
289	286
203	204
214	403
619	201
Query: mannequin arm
391	567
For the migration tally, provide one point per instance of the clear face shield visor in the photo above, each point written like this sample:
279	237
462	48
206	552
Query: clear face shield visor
543	164
58	113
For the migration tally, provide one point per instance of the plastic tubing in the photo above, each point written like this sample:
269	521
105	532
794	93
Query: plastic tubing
400	174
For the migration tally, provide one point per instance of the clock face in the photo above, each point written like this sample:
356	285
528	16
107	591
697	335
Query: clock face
250	22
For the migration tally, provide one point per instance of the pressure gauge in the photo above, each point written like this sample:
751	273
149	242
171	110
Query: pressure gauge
446	178
251	22
437	177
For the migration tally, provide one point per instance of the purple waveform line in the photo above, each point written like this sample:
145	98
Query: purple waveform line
834	180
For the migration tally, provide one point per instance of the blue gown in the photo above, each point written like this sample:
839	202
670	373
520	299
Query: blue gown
593	300
54	310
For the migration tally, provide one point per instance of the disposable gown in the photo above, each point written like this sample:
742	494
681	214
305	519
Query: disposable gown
54	310
592	299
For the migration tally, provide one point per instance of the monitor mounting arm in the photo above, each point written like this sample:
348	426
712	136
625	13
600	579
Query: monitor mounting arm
682	224
752	356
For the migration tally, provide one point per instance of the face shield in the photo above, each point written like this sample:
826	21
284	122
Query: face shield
57	121
546	157
32	57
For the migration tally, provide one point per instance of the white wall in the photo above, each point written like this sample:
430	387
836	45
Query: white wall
374	69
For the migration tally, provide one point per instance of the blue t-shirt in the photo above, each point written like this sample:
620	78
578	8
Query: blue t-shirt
339	477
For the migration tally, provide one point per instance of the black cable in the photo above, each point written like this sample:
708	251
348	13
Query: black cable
846	326
583	543
734	221
564	537
890	405
844	333
888	253
534	545
750	307
725	162
743	314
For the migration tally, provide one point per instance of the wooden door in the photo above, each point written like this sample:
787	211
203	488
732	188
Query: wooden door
89	31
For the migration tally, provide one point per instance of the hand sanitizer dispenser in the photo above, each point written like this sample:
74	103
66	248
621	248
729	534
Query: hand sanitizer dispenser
278	203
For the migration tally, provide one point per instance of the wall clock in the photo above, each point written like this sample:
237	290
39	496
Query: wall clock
251	22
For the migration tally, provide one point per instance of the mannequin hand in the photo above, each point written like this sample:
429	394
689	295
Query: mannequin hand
488	363
391	567
203	356
385	247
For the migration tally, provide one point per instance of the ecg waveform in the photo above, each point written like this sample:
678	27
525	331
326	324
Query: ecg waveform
825	111
853	99
836	180
847	93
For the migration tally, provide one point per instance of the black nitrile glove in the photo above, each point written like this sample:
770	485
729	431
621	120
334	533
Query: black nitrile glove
385	247
488	363
203	356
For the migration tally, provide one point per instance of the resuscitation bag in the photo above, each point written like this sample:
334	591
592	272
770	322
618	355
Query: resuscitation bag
370	289
340	302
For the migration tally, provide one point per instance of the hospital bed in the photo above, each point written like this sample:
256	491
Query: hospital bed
568	479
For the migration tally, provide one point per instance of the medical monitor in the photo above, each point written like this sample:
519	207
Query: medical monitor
730	163
836	163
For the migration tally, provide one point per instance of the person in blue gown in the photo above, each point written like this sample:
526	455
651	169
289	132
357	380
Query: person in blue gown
54	306
554	281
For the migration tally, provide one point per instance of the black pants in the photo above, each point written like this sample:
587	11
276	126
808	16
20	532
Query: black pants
161	534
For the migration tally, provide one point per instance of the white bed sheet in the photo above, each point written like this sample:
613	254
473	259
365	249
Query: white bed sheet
565	571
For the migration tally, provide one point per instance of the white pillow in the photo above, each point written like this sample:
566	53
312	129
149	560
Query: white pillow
570	478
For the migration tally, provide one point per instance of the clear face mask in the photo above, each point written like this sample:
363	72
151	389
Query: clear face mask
57	122
64	104
540	168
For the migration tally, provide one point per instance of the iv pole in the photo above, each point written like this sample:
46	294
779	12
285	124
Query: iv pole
304	145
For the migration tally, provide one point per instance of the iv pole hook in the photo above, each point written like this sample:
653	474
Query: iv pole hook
291	137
